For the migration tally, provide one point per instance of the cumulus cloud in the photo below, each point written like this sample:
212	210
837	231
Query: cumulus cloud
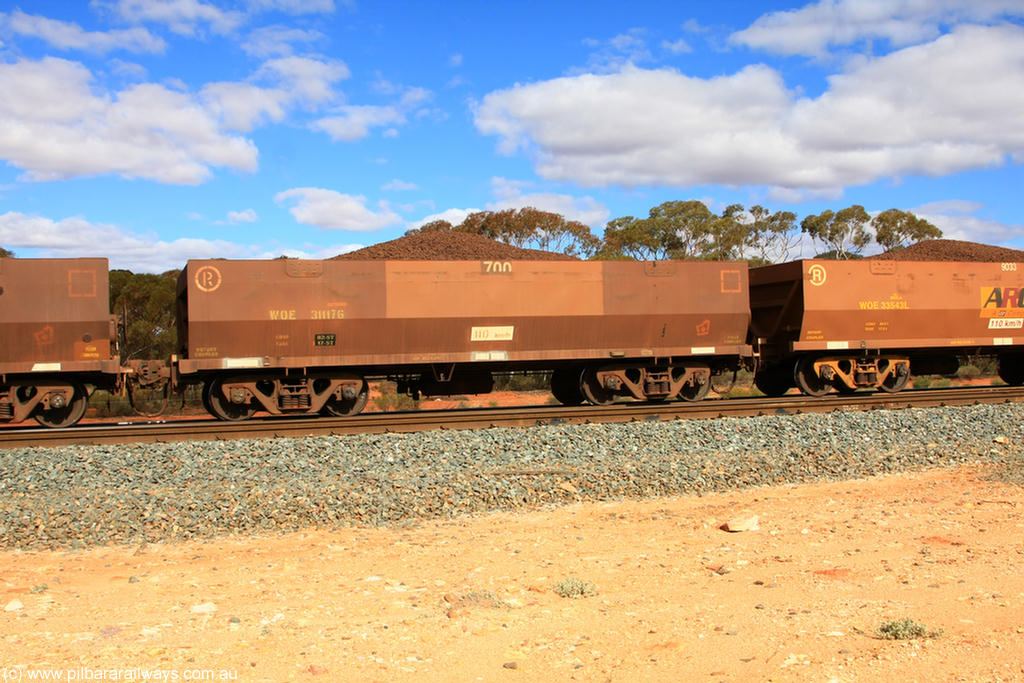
277	41
185	17
813	29
625	49
76	237
53	124
336	211
349	123
510	195
397	185
353	122
294	6
963	220
244	216
295	80
242	106
663	128
453	216
67	35
307	79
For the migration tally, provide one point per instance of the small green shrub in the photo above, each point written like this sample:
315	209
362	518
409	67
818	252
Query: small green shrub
968	372
904	629
575	588
922	381
390	400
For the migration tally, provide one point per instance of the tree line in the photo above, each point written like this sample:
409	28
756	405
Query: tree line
672	230
689	230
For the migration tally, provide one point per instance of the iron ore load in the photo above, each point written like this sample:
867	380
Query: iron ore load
291	336
302	337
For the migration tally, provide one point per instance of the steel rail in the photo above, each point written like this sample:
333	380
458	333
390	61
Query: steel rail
483	418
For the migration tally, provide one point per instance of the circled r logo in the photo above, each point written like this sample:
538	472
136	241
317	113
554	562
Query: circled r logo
817	274
208	278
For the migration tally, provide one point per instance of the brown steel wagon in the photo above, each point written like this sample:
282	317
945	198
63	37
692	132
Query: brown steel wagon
821	324
298	336
57	338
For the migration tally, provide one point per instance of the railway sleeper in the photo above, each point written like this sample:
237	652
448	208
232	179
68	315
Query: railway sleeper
815	376
603	384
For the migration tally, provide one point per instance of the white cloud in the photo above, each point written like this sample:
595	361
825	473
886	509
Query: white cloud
453	216
66	35
127	70
677	47
54	125
455	60
242	106
813	29
297	80
305	78
185	17
277	41
354	122
244	216
397	185
293	6
959	220
349	123
623	50
77	237
336	211
931	109
510	195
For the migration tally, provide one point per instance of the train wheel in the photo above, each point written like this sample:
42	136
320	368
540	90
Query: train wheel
807	379
71	413
220	407
695	391
895	382
565	386
1011	370
773	383
593	391
345	407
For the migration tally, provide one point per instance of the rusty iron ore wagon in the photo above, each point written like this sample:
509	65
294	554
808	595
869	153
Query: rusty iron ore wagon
299	336
821	324
57	337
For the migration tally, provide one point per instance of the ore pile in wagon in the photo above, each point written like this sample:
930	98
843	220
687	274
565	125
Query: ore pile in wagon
954	250
450	245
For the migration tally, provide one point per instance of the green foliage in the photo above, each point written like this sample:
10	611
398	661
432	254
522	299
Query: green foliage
523	381
4	253
843	232
676	230
922	381
148	303
968	372
905	629
575	588
527	228
389	400
895	229
770	236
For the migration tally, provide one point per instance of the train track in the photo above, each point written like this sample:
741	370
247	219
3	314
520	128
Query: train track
482	418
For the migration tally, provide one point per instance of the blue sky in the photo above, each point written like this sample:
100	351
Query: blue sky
154	131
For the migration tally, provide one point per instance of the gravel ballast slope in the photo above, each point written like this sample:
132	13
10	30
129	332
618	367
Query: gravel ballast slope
84	496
